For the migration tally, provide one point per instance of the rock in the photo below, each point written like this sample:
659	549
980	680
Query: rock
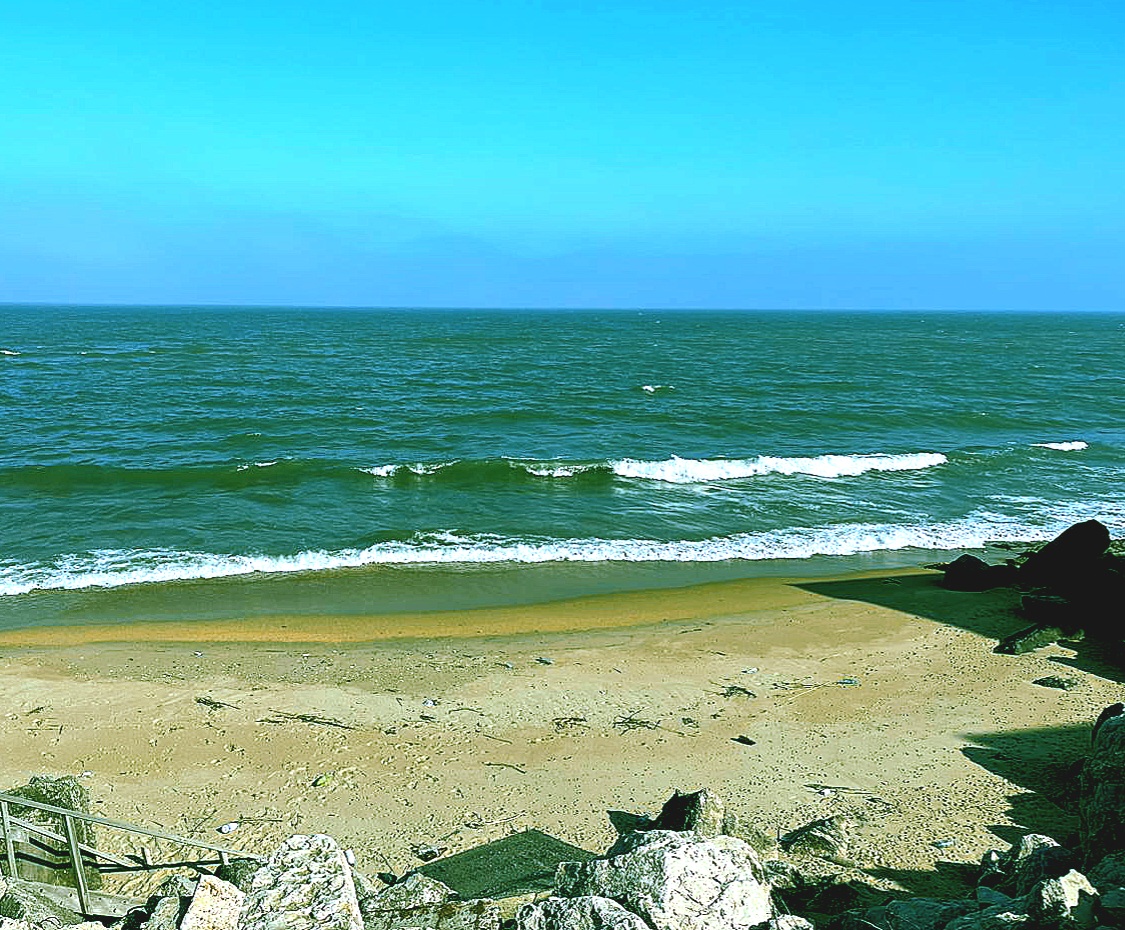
1030	860
23	902
1111	906
166	913
307	883
907	914
677	881
1109	872
1101	794
239	872
1067	901
177	886
701	812
478	914
588	912
1054	681
763	843
968	573
834	895
990	897
993	918
1028	639
415	890
1050	610
825	838
1066	558
214	906
790	922
66	792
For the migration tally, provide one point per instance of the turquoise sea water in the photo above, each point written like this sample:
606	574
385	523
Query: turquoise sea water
181	462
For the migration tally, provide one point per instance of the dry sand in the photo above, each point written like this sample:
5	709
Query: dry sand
876	695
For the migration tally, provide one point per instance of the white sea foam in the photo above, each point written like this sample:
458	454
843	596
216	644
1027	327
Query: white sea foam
114	568
690	471
381	471
653	388
247	467
1076	446
546	470
9	352
419	468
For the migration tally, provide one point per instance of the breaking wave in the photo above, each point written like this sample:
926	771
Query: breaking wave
689	471
115	568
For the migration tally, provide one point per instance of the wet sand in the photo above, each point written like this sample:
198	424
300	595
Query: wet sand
876	695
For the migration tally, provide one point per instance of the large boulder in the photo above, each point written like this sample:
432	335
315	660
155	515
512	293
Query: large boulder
1101	797
1067	560
677	881
1066	902
826	838
588	912
307	883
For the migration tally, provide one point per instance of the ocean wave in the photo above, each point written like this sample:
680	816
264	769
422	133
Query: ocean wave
655	388
1075	446
419	469
115	568
11	352
690	471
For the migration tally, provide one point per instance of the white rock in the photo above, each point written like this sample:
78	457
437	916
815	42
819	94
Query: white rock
677	881
306	885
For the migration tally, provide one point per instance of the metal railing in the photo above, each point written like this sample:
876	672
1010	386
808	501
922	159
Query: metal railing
83	856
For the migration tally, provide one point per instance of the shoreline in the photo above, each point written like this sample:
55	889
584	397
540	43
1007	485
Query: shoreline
619	609
881	686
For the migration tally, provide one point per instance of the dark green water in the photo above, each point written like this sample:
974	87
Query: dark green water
187	462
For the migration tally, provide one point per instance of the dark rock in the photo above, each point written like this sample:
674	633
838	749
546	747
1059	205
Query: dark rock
701	812
239	872
835	895
1109	872
968	573
1111	906
1114	710
1049	610
414	891
1028	639
907	914
1054	681
1067	558
1031	860
1101	798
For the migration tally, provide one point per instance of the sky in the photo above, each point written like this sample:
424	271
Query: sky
795	153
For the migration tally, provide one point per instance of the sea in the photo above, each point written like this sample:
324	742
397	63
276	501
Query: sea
182	463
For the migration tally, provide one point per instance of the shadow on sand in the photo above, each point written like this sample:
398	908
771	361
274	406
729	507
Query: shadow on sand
1042	761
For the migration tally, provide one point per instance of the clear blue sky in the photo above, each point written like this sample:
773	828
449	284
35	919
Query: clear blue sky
793	153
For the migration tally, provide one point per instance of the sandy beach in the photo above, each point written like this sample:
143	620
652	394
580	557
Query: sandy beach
877	695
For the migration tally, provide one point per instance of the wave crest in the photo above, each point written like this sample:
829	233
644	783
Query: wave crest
690	471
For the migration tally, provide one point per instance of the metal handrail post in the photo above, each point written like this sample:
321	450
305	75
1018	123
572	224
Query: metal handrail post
76	862
9	846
